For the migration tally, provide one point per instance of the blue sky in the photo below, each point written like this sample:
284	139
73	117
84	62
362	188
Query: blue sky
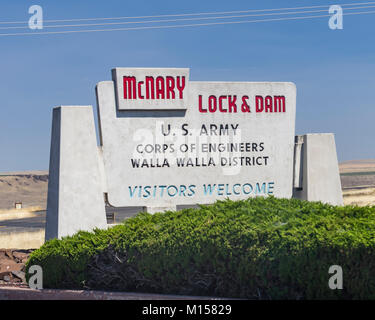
334	70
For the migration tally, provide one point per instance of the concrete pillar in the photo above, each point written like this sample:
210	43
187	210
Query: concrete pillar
75	192
316	170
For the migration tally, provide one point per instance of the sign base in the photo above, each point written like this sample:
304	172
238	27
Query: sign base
75	194
316	174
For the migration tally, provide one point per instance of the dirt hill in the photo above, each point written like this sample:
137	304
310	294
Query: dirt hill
30	188
367	165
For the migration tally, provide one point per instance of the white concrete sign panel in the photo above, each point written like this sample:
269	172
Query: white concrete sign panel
213	140
151	88
167	141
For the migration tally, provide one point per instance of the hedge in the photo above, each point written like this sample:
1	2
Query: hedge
259	248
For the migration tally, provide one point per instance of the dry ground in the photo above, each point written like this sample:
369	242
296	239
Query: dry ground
28	187
357	166
359	197
355	174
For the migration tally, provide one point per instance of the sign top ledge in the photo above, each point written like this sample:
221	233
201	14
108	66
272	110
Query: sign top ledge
149	68
249	82
121	69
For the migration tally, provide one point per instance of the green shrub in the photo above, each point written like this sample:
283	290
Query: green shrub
264	248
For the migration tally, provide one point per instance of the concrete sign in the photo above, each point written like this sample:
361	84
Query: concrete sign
222	139
167	141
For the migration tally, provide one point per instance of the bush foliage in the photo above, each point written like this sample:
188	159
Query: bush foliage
260	248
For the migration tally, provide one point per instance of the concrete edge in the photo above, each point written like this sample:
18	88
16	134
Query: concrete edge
22	240
16	293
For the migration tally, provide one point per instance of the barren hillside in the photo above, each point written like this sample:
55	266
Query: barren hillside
30	188
367	165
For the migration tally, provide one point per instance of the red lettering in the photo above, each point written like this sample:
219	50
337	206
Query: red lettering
245	107
232	104
129	88
212	104
140	83
200	105
259	104
170	87
268	103
279	103
160	88
181	86
221	98
150	88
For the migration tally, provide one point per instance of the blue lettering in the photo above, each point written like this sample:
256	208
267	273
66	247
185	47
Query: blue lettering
132	191
209	189
227	190
182	190
234	191
147	192
175	188
191	189
270	187
220	189
260	190
249	185
162	190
